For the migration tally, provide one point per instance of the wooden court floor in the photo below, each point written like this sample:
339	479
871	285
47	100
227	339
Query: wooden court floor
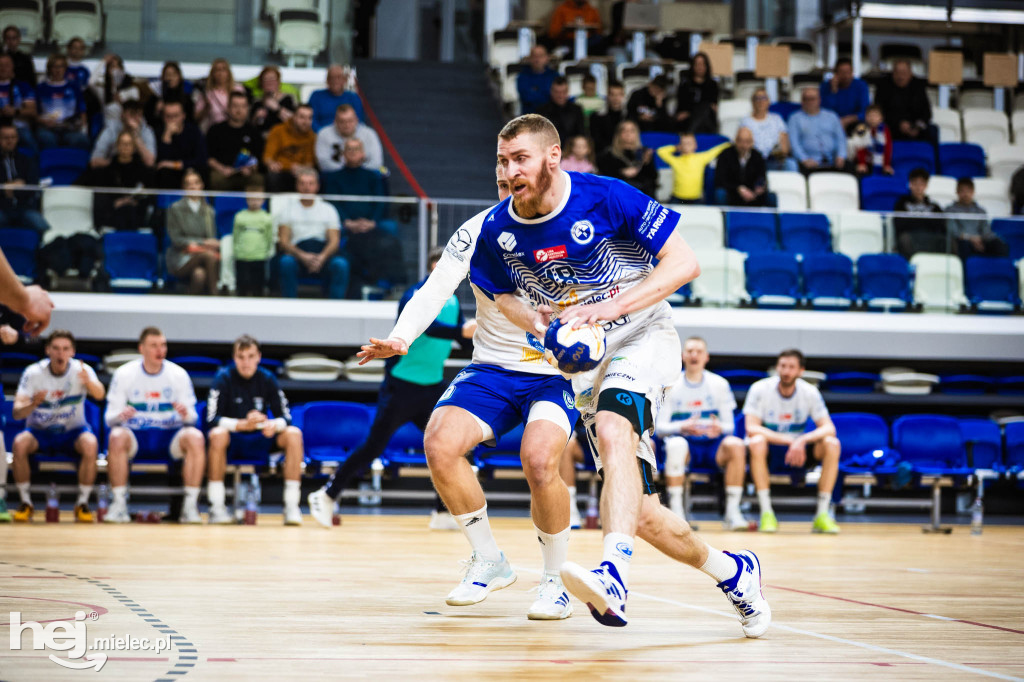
366	601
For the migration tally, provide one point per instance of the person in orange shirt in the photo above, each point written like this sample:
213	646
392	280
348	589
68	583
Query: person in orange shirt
567	15
290	149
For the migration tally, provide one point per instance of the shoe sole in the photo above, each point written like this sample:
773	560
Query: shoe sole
574	577
767	609
537	615
496	584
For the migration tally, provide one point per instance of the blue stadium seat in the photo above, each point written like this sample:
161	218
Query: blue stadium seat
962	159
13	360
63	165
706	142
93	361
932	444
906	156
828	280
198	365
331	430
1014	447
992	284
883	280
131	260
1010	385
19	246
865	443
773	280
1011	230
851	382
751	232
741	378
683	295
165	200
965	384
880	192
653	140
11	428
784	109
984	444
805	232
224	209
405	448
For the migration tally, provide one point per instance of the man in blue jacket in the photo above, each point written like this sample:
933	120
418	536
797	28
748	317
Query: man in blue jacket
534	83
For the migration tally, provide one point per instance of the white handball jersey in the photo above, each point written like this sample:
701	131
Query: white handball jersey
64	406
710	397
152	395
784	415
497	341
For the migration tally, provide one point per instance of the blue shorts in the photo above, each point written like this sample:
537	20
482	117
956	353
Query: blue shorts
245	444
703	452
502	398
155	444
777	459
58	442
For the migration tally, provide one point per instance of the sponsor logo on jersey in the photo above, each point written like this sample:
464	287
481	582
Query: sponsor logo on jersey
658	223
549	254
695	403
624	398
507	241
582	232
570	402
462	240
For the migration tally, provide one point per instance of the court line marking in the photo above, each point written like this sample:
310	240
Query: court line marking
819	635
99	610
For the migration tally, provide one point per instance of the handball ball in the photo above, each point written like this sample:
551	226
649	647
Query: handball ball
575	350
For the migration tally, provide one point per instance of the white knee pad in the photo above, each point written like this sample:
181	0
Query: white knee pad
677	450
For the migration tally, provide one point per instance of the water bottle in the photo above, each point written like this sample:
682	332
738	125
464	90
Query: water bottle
101	503
240	498
977	516
376	469
252	501
52	505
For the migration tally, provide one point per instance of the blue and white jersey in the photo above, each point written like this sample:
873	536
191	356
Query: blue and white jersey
59	102
152	395
15	93
63	409
600	241
784	415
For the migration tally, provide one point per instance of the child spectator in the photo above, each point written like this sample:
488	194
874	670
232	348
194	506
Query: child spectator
871	144
918	234
580	157
974	236
253	239
590	101
688	167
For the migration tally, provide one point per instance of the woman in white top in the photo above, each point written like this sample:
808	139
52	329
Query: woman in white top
770	133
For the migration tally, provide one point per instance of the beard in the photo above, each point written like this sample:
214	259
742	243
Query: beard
529	205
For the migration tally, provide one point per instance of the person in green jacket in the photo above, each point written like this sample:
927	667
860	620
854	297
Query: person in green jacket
253	241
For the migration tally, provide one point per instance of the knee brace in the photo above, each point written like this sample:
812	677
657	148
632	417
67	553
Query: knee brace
677	450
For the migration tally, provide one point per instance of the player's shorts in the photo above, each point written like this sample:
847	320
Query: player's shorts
703	453
61	442
155	444
501	398
250	444
777	458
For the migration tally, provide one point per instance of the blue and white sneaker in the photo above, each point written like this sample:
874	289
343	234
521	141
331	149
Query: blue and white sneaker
601	590
552	600
482	577
744	591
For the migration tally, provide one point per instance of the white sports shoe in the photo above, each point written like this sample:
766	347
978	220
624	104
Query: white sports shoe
601	590
117	513
189	514
321	507
744	591
219	516
482	577
737	523
442	520
292	516
552	600
575	520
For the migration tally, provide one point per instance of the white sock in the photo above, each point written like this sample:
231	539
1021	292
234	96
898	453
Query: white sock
764	500
23	492
120	493
192	496
733	494
719	565
84	491
554	549
478	531
675	499
824	502
618	551
292	493
215	493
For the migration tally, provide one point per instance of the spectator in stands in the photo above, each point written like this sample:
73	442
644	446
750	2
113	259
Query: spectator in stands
566	116
771	136
115	87
741	177
1017	191
919	234
24	69
132	122
290	149
179	146
845	96
697	98
151	409
534	83
235	147
974	236
247	413
212	104
776	412
330	141
602	125
274	105
567	17
51	397
688	167
647	107
590	101
819	142
326	102
61	109
870	145
308	237
171	88
78	73
17	102
580	157
253	242
18	208
129	171
373	249
628	160
194	253
904	101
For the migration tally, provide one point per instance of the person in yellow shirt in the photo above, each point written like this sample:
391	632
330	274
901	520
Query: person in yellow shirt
688	167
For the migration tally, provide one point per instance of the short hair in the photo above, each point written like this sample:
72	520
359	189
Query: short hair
616	84
919	174
11	27
245	341
965	181
60	334
696	338
355	140
792	353
559	80
873	107
133	105
54	58
843	61
308	171
530	124
342	108
435	254
173	103
589	78
660	81
149	331
235	95
254	185
304	106
4	55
